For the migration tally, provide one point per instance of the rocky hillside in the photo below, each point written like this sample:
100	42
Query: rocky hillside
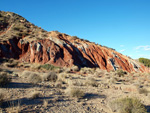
22	40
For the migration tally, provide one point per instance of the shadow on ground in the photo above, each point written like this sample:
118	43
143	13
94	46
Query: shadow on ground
24	101
93	96
148	108
19	85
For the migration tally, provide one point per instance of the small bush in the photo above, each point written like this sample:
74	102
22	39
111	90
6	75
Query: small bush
35	78
58	84
51	76
143	91
25	74
127	105
35	95
121	73
4	79
48	67
16	28
75	92
86	70
145	61
113	80
91	82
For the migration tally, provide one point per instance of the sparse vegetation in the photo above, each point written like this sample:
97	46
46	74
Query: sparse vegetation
63	89
51	76
91	81
25	74
143	91
145	61
127	105
4	79
35	95
121	73
113	80
73	92
35	78
48	67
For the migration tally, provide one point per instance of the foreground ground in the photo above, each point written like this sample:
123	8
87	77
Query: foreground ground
96	89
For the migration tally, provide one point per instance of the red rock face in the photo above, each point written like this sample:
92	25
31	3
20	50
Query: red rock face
63	50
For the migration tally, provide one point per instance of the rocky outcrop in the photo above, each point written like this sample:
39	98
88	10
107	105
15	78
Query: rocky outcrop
23	40
63	50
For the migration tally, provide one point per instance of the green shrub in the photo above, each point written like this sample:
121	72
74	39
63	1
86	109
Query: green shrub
51	76
48	67
145	61
16	28
4	79
128	105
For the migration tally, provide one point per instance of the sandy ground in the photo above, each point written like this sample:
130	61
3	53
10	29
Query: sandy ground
53	99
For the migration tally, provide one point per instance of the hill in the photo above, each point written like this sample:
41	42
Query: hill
29	83
22	40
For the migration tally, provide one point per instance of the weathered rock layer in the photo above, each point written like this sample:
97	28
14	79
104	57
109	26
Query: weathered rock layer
22	40
63	50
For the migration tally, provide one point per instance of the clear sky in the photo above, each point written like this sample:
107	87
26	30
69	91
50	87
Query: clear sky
120	24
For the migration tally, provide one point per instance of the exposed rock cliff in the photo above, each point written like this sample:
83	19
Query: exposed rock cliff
32	44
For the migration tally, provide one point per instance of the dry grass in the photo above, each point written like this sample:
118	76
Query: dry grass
73	92
113	80
35	95
127	105
121	73
35	78
91	82
25	74
13	108
45	103
48	67
51	76
143	91
86	70
58	84
4	79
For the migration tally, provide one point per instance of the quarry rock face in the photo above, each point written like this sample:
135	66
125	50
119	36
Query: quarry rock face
63	50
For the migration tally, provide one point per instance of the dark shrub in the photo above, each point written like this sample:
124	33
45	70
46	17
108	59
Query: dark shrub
4	79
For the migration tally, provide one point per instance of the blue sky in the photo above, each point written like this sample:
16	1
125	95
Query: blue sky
120	24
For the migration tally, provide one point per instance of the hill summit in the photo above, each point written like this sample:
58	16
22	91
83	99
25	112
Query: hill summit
22	40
